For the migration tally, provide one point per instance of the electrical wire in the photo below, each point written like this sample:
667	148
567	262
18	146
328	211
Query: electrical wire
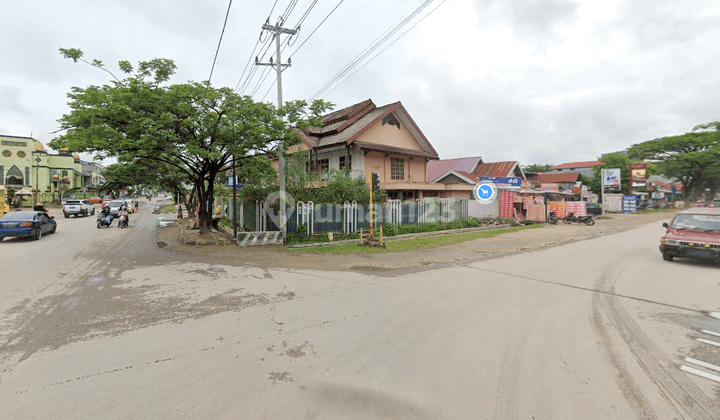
383	50
217	51
384	37
316	28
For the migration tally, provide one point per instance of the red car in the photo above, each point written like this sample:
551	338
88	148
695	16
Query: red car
95	200
693	233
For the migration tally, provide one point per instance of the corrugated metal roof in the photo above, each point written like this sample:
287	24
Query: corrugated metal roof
438	168
555	178
501	169
572	165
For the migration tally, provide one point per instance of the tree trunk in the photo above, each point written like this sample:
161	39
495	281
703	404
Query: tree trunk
205	196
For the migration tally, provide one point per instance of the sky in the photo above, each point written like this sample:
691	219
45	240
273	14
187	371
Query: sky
539	81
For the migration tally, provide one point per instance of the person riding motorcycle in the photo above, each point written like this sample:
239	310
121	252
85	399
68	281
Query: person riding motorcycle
124	212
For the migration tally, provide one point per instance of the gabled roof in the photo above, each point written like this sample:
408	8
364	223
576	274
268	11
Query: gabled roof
465	176
573	165
438	168
499	169
544	178
343	127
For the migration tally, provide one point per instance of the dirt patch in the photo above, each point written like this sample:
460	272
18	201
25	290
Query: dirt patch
275	256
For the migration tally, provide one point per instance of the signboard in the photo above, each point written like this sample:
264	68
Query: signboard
14	143
629	204
613	203
507	204
577	207
550	187
658	196
638	173
526	185
558	207
510	182
611	178
485	192
535	212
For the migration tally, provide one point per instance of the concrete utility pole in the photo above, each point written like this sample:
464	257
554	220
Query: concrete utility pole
277	30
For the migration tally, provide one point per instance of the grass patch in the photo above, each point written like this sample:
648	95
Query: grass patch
168	209
413	244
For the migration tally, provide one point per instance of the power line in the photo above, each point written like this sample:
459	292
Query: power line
217	51
316	28
375	45
383	50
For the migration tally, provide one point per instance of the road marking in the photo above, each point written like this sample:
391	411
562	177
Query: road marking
703	364
715	315
700	373
711	332
712	343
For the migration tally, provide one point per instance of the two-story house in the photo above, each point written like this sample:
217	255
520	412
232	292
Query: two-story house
364	138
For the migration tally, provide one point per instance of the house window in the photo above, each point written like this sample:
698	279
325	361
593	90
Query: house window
342	163
397	168
323	165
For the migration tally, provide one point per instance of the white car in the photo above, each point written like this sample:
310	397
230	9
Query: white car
78	208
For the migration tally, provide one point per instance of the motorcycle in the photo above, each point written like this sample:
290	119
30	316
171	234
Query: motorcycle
122	222
588	220
104	220
552	219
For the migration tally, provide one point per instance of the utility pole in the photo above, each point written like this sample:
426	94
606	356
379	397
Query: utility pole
277	30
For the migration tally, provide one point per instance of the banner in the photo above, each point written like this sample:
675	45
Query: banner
613	203
558	207
577	207
550	187
612	178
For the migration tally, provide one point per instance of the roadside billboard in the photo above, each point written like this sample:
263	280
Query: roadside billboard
611	178
509	182
550	187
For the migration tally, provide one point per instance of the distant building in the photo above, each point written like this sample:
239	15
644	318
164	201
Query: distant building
583	168
24	163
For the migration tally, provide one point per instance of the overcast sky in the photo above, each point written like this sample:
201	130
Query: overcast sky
540	81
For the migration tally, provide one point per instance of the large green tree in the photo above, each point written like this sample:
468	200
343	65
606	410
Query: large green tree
693	158
193	127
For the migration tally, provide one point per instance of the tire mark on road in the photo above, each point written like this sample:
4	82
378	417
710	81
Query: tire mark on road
678	390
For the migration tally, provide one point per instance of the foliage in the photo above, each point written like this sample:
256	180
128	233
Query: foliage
691	157
193	127
536	167
610	161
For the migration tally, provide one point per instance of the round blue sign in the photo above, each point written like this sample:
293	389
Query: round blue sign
485	192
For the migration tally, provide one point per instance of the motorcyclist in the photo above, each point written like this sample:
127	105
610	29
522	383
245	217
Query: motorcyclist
124	212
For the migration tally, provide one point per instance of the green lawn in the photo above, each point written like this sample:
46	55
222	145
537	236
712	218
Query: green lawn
413	244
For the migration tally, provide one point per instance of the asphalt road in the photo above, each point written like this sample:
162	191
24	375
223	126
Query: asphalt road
103	324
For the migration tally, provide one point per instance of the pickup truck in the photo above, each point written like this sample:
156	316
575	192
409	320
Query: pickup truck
77	208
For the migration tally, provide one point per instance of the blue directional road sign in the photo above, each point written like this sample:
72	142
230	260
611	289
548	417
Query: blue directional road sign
485	192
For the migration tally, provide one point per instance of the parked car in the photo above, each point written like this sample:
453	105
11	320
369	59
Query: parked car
593	208
77	208
26	223
693	233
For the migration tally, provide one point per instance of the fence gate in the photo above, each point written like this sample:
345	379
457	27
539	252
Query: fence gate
444	210
260	216
350	216
464	209
395	207
304	215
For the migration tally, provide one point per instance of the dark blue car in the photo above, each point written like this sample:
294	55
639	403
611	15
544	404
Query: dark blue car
26	223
